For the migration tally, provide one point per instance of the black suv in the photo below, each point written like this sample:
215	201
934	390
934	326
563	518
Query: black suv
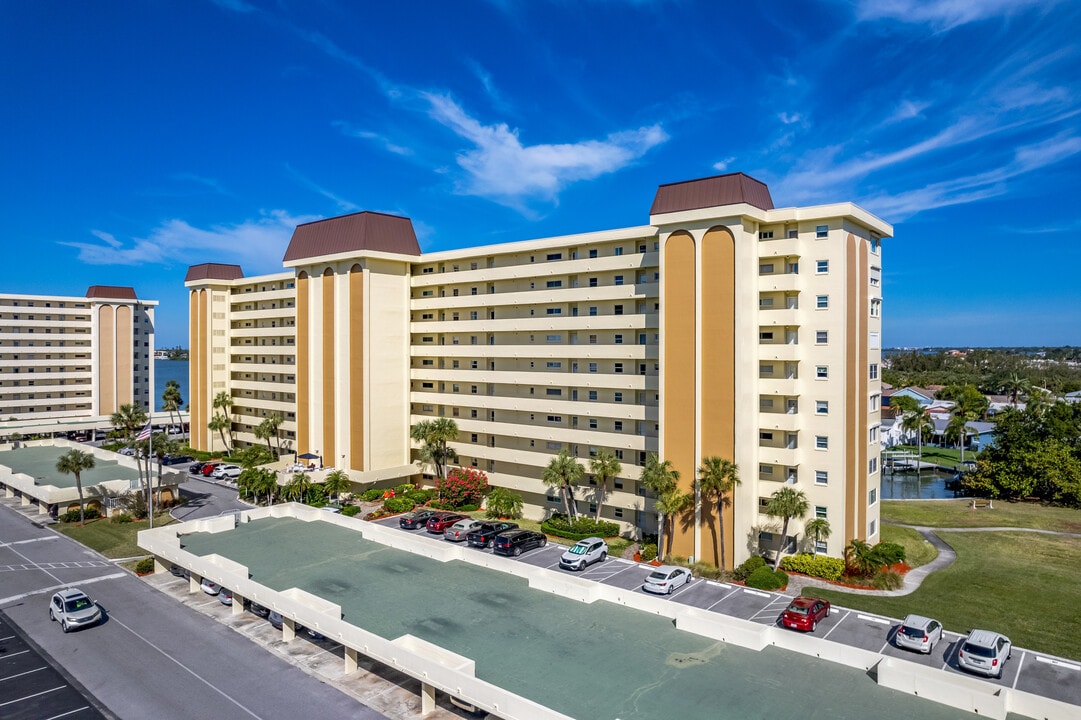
484	536
515	542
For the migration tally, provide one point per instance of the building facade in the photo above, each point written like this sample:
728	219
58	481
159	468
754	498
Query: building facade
66	359
725	327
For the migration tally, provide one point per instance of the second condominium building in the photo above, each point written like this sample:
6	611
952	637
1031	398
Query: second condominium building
725	327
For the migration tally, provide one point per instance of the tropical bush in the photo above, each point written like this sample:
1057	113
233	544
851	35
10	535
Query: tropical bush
73	515
887	580
372	494
502	503
579	529
398	504
747	567
120	518
462	486
404	489
420	496
827	568
145	566
764	578
649	552
707	570
350	510
889	553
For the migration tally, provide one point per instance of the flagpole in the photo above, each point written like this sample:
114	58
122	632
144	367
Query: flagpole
149	472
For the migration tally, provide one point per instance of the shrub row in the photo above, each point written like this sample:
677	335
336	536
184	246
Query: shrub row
827	568
398	504
580	529
350	510
73	515
145	566
748	566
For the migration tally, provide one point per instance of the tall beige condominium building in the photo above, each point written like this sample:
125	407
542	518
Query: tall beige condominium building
725	327
75	358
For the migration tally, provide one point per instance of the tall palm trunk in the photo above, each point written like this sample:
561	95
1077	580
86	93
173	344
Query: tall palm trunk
79	487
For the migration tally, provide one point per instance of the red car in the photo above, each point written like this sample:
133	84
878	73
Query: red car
440	521
804	613
209	467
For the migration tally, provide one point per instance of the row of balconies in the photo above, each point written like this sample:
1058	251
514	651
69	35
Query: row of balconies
570	262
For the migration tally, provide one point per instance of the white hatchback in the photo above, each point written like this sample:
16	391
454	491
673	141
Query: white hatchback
919	633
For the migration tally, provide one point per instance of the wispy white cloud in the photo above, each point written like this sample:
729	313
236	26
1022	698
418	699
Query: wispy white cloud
342	203
383	141
722	165
499	167
488	83
210	183
789	118
940	15
257	244
907	110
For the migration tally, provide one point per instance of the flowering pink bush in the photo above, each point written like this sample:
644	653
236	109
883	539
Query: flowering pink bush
463	486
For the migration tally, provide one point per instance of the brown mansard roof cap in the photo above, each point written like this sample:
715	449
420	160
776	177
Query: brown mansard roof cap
213	271
350	233
716	191
113	292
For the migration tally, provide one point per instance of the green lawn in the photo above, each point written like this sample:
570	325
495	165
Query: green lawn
917	550
946	457
111	539
994	584
959	514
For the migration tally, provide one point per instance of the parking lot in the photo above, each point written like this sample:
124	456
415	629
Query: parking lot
1028	671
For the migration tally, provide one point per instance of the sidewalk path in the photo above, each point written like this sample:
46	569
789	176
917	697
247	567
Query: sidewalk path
914	578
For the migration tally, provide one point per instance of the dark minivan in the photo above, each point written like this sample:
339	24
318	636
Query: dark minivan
515	542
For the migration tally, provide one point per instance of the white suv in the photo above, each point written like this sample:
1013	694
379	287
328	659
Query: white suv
73	608
984	652
584	553
919	633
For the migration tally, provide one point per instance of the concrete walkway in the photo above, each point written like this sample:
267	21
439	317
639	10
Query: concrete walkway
915	577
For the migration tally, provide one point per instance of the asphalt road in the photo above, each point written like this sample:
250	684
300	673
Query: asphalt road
205	497
150	657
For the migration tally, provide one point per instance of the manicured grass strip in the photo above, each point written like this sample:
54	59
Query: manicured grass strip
112	540
945	457
917	550
1024	585
959	514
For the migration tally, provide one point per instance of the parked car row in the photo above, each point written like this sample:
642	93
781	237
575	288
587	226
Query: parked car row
218	470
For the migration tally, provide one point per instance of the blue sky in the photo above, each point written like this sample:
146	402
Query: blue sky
138	138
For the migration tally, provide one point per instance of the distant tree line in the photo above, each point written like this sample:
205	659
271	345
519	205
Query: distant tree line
994	371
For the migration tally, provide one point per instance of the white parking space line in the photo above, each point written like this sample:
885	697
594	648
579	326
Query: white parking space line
872	618
7	637
21	652
734	591
28	672
1020	664
68	713
837	625
31	697
54	588
715	584
1057	663
756	592
32	540
889	639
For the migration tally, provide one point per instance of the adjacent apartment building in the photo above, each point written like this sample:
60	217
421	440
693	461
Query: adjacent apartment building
67	359
725	327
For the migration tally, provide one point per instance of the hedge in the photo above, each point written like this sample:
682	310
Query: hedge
350	510
821	566
764	578
748	566
398	504
580	529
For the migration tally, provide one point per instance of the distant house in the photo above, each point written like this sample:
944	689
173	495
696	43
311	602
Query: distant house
1074	397
978	435
924	396
998	403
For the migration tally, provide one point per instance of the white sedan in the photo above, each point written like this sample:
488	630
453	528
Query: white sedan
666	578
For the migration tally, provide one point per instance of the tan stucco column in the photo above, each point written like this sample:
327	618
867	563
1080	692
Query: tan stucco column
43	507
351	664
193	583
25	499
238	604
427	699
159	566
289	629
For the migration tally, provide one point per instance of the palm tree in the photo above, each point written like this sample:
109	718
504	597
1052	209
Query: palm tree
563	472
661	479
297	489
129	420
819	529
171	399
914	419
335	483
74	462
220	422
224	401
274	422
669	505
716	478
1014	386
860	555
786	503
604	467
433	436
264	432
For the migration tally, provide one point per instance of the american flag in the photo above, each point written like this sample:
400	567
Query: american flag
144	434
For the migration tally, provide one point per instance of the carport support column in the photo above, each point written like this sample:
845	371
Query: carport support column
193	583
238	605
351	664
289	629
43	507
159	566
427	698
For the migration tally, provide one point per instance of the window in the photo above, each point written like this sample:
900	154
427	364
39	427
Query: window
872	434
765	235
822	372
592	309
822	337
617	513
871	528
555	338
619	251
473	316
820	512
822	407
555	283
874	245
822	267
822	301
592	423
822	442
874	371
618	368
822	477
555	256
553	365
555	311
618	397
765	469
555	418
593	282
619	339
876	308
765	435
553	392
872	496
617	426
619	310
765	269
619	279
822	231
593	395
765	302
593	367
593	252
766	336
872	466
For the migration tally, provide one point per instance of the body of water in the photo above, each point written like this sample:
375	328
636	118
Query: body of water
166	370
907	485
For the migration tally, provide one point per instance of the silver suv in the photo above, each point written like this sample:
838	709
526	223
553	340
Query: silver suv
984	652
584	553
919	633
73	609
